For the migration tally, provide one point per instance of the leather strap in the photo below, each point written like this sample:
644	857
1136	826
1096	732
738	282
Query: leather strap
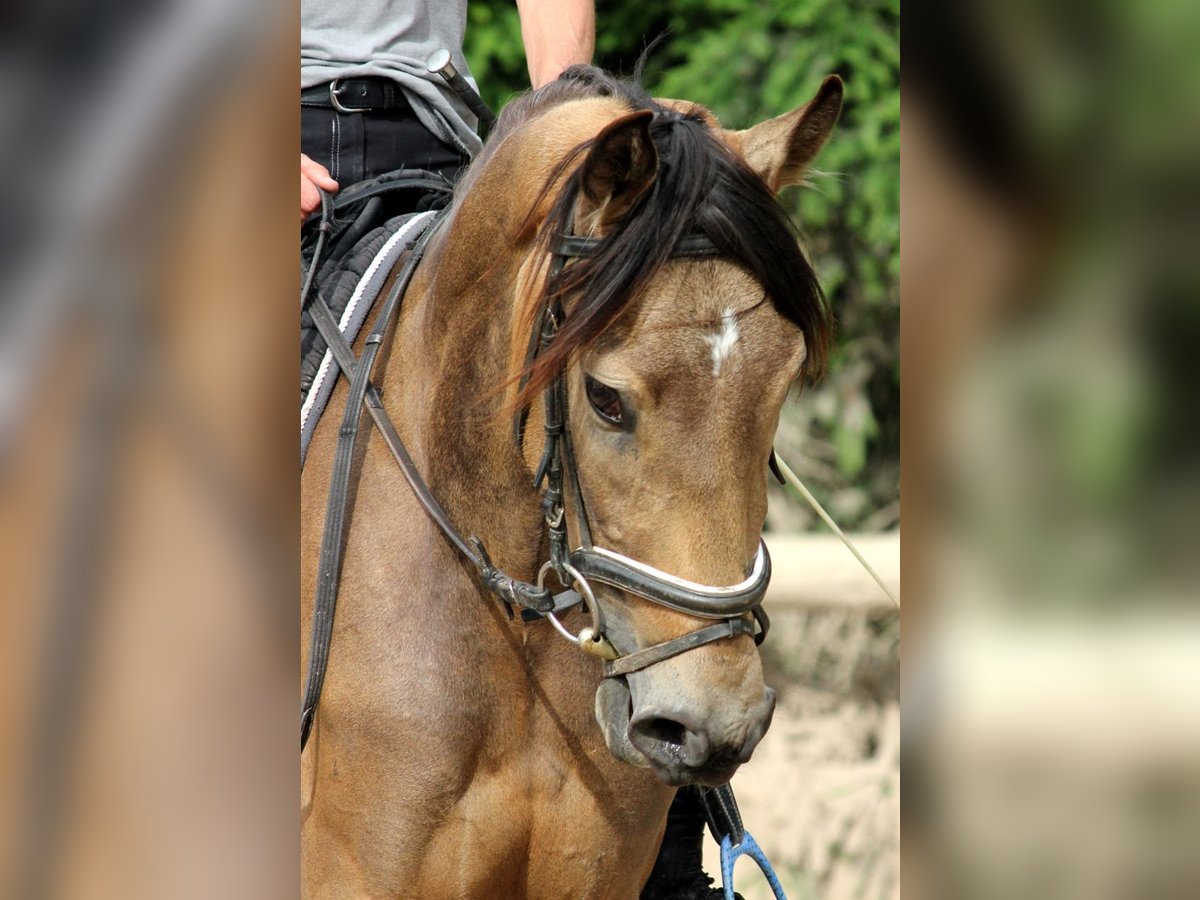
721	810
694	244
563	601
511	591
643	659
638	578
332	543
773	462
401	179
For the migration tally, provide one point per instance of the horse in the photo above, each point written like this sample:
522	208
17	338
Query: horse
461	751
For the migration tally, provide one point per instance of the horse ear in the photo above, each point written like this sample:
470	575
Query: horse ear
620	166
780	149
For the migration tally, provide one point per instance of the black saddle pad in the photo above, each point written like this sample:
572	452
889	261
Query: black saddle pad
370	226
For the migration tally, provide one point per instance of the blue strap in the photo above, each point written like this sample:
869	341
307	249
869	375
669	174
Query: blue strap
748	847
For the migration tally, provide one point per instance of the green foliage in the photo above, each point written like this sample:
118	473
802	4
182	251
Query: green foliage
749	60
495	52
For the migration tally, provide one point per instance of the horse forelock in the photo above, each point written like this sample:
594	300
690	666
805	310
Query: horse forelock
702	186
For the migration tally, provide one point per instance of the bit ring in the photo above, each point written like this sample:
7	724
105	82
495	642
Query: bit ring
585	591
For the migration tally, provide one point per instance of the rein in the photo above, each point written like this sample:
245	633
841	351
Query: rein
574	568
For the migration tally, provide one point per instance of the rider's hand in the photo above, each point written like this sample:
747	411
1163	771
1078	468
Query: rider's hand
313	175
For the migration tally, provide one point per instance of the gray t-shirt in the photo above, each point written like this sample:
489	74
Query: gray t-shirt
392	39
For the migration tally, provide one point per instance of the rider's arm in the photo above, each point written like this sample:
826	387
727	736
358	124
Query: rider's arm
557	34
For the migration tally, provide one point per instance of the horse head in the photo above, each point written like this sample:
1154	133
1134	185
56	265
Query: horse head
674	365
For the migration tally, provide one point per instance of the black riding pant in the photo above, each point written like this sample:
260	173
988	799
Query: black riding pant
356	146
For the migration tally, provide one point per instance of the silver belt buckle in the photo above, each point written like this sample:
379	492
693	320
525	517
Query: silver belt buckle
333	99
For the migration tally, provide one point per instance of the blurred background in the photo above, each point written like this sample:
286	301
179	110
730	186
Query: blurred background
1052	657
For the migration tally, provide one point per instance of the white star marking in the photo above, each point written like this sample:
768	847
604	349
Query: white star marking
722	342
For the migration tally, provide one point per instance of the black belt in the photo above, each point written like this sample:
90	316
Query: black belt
356	95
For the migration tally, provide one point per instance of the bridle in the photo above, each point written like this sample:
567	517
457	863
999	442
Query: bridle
576	568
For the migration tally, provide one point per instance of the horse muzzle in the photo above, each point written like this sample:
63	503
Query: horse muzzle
684	747
680	746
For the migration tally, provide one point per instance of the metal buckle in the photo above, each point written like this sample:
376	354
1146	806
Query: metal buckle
333	99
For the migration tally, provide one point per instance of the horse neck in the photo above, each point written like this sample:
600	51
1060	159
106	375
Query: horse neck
450	361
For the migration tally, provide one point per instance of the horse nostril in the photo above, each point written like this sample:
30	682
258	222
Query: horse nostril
668	741
664	730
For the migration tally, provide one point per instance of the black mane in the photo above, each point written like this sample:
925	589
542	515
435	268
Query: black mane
702	186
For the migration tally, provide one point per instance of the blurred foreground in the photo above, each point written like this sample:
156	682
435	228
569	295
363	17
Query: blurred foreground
1052	641
147	525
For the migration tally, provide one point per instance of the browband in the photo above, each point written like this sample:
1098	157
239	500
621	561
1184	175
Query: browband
693	243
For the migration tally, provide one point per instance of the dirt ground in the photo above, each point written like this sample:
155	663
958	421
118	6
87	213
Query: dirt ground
822	794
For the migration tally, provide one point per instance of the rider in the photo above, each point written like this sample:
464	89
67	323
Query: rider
368	105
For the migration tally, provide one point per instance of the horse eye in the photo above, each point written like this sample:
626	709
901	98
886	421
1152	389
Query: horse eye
605	401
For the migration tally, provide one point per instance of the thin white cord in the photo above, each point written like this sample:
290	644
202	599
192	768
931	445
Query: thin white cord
795	482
